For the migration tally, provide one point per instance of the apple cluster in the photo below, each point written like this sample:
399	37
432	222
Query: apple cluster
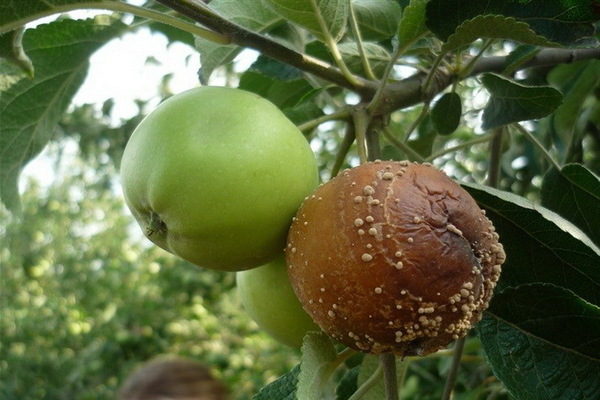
386	257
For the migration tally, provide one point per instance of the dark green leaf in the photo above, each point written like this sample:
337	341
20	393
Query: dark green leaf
446	113
518	57
559	21
574	193
495	27
333	12
423	142
247	13
542	342
544	310
275	69
348	384
11	49
31	108
283	388
576	82
540	246
284	94
377	20
512	102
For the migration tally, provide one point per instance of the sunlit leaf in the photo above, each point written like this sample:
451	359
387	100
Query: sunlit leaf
318	353
377	20
247	13
334	14
31	108
412	26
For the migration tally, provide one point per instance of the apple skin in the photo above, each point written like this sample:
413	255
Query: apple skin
214	175
267	296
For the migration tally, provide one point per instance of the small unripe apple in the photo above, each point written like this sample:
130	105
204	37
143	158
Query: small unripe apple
393	257
215	175
268	298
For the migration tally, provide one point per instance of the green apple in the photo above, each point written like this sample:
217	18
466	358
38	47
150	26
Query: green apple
215	175
267	296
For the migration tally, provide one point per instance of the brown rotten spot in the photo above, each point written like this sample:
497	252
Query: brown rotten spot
393	257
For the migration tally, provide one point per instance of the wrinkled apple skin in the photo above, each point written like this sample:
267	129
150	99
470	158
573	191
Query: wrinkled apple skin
267	296
214	175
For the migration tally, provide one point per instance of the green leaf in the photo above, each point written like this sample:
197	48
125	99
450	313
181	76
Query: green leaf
304	13
518	57
542	342
377	20
11	49
576	81
31	108
348	384
512	102
377	55
318	356
540	245
276	69
369	365
574	193
16	13
283	388
246	13
495	27
446	113
560	21
412	26
292	97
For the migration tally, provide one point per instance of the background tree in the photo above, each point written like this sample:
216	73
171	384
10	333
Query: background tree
503	93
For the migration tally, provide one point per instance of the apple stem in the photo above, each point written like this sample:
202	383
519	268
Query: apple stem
388	362
456	358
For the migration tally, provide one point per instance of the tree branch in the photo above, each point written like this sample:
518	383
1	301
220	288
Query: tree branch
266	46
397	95
408	92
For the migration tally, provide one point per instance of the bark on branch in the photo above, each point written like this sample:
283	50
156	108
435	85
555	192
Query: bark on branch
398	95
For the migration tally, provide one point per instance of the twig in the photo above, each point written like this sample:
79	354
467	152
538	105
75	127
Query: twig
464	145
388	362
340	114
495	154
417	121
359	44
453	372
368	384
545	153
361	123
342	152
410	153
266	46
